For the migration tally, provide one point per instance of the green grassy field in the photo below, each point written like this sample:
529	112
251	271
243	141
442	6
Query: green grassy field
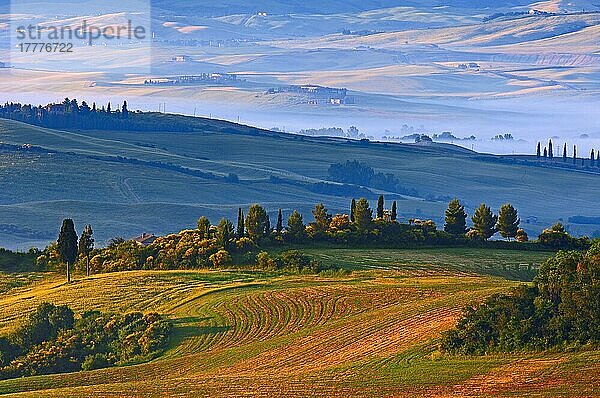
80	176
372	333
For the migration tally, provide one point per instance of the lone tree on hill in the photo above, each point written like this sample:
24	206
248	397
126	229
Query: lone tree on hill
257	222
67	245
394	214
508	221
352	210
204	227
279	226
484	222
240	224
86	245
296	228
225	232
565	153
456	218
550	150
363	215
380	207
539	150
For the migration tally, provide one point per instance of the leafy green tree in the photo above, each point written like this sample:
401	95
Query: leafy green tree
352	210
363	215
204	227
296	228
484	222
240	224
67	245
508	221
257	222
279	226
86	245
322	218
455	218
394	214
380	206
225	232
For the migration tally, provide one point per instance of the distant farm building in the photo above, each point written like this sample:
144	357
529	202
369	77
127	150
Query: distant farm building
145	239
203	78
315	95
55	109
181	58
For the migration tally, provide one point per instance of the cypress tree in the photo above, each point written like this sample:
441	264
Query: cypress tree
565	153
322	218
545	153
574	154
508	221
394	214
598	158
279	226
352	210
455	219
363	215
296	229
240	223
550	150
225	232
380	205
86	245
539	150
67	245
257	222
592	158
484	222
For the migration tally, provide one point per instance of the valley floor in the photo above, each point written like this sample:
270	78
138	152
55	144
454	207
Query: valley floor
372	333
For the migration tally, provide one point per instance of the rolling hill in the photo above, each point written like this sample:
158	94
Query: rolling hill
126	183
370	334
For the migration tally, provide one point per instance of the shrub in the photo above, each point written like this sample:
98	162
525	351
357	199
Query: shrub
221	258
53	342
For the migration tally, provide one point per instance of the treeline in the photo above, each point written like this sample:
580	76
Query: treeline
72	115
244	243
548	153
562	309
53	340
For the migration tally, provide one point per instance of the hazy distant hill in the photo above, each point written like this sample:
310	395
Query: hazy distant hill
126	183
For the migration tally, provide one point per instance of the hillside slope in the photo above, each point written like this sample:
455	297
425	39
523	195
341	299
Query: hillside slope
371	334
125	183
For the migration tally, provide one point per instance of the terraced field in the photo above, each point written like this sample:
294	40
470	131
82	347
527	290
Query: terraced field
248	333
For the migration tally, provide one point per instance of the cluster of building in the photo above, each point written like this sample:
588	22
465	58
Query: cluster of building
203	78
316	95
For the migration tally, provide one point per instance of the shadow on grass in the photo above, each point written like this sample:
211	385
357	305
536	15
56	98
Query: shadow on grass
188	327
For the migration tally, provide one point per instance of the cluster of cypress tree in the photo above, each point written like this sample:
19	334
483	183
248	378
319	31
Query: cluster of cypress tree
548	154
